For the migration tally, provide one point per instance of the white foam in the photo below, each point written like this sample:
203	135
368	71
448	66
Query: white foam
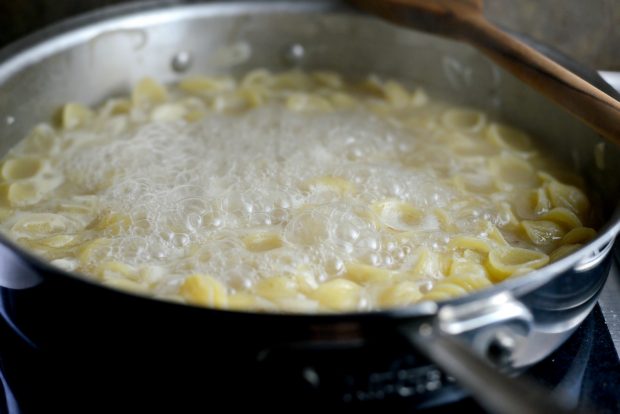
211	183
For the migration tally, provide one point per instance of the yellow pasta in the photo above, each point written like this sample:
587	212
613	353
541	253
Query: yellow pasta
496	236
116	107
503	262
260	242
567	196
331	80
338	294
400	294
362	273
540	201
203	84
562	216
126	285
92	251
471	243
254	96
398	215
509	138
542	232
464	120
579	235
454	286
257	77
307	102
148	92
278	287
151	274
21	168
21	194
289	191
228	102
513	172
294	79
563	251
204	290
111	223
396	94
60	240
118	270
427	264
337	184
75	115
40	140
244	302
43	223
168	113
464	267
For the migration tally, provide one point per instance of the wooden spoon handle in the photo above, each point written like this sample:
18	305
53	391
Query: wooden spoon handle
582	99
464	20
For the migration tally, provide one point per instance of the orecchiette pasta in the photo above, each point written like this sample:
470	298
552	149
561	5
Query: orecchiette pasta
204	290
292	191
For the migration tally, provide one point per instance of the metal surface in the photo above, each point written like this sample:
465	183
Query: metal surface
613	78
610	296
497	326
610	305
495	392
69	314
75	66
501	309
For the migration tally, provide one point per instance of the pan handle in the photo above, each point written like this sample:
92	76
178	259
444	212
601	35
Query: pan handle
495	391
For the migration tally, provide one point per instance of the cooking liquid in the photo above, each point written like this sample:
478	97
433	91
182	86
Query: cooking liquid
296	192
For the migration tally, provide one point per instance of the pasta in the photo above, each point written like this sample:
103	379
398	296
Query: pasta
292	191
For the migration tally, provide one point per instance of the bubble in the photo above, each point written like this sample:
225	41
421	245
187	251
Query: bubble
307	229
194	221
405	147
278	216
238	203
426	286
259	219
334	266
372	259
368	243
346	231
179	240
192	193
354	154
134	249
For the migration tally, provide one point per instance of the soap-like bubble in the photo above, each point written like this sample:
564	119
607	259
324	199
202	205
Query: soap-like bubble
262	192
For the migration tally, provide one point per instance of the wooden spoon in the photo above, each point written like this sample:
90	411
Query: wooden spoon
464	20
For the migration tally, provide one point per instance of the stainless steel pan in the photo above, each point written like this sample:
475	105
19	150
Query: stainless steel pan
61	316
